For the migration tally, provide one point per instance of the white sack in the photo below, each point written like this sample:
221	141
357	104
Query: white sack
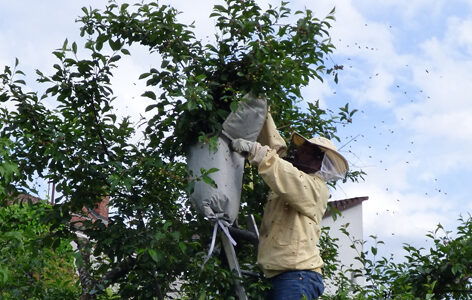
247	121
222	203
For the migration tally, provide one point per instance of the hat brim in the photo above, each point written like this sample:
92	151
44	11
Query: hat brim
298	139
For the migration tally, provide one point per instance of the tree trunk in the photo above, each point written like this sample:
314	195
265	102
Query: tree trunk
86	280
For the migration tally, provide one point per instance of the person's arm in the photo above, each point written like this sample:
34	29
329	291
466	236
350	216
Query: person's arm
305	193
270	136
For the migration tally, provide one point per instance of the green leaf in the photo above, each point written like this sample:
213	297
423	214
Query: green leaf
124	6
208	180
149	94
78	259
153	255
20	81
64	46
191	105
4	275
212	170
151	107
202	296
7	169
114	45
102	38
374	250
182	247
13	235
167	225
219	8
112	117
164	64
114	58
144	75
74	47
59	54
234	106
456	268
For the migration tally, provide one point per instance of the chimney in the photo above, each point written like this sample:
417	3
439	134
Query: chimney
102	207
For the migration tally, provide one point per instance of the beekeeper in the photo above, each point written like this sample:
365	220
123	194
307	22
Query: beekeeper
288	253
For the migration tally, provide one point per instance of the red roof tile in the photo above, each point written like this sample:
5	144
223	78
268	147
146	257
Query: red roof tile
344	204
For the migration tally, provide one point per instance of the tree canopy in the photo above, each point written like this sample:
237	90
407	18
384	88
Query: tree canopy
70	135
81	145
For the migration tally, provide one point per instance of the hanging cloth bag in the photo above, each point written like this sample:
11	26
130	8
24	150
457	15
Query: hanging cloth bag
220	203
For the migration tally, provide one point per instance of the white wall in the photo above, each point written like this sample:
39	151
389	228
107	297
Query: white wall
353	216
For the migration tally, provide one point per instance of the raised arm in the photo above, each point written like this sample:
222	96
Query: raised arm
270	136
305	193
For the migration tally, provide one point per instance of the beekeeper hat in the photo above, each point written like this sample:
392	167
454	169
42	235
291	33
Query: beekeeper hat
339	162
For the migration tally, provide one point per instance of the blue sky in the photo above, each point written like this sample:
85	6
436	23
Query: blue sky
406	69
413	93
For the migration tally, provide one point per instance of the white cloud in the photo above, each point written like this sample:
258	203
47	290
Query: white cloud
408	215
128	88
439	68
442	117
32	30
199	13
375	89
459	35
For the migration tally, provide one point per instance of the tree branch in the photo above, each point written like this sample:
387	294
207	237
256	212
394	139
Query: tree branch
121	270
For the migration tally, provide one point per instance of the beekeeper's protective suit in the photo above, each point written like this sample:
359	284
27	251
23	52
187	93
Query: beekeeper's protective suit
290	231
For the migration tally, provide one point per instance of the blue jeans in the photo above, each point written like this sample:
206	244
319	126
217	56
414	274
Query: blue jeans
293	285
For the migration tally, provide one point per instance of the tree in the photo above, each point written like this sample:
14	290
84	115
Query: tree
442	272
154	236
29	268
89	154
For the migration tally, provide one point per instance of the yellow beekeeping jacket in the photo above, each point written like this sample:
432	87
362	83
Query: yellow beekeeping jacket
290	229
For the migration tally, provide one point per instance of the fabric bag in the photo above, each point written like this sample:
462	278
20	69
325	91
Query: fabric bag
221	203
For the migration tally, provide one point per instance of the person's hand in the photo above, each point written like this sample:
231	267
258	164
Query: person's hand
242	146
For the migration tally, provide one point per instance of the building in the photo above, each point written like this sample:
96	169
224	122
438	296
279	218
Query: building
99	212
351	214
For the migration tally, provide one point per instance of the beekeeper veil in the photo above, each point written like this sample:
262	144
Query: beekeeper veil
334	166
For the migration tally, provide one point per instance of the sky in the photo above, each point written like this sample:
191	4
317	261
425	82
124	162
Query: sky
406	69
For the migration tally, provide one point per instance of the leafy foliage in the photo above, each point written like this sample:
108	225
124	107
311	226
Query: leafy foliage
71	136
442	272
29	268
254	51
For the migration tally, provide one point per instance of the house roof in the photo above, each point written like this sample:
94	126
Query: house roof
24	198
99	212
344	204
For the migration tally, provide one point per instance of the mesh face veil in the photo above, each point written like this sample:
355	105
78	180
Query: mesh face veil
333	166
328	170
